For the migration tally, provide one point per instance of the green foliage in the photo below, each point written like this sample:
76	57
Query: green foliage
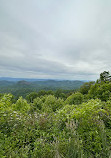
87	119
5	102
76	98
50	126
86	87
37	103
30	97
52	104
100	90
42	149
21	105
105	76
60	94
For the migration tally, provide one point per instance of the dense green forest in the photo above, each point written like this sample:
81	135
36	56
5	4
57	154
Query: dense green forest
58	124
24	87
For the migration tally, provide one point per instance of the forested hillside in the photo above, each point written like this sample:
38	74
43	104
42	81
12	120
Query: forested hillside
58	124
24	87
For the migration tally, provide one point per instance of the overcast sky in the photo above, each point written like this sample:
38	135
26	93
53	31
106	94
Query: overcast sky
56	39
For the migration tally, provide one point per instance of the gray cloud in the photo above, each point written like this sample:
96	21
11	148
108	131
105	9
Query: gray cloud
55	39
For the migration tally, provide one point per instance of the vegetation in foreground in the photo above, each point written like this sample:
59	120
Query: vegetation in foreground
58	126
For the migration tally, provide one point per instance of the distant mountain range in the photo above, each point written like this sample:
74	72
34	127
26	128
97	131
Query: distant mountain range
33	79
24	86
20	79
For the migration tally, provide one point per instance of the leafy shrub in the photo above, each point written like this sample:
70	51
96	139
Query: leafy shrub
76	98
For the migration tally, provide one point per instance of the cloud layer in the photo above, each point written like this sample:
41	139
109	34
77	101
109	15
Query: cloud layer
55	39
